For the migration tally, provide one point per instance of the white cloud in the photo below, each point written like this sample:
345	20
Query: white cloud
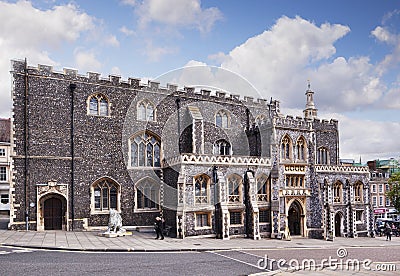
280	60
112	41
154	53
178	13
126	31
370	139
86	60
26	31
129	2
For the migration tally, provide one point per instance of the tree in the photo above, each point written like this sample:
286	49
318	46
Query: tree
394	190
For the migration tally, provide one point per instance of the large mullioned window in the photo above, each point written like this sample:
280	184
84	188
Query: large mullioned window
301	149
147	195
263	186
323	156
105	195
145	150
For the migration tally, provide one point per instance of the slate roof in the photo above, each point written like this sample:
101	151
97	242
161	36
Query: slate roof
5	127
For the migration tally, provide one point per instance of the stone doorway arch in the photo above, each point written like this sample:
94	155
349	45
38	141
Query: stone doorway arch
295	219
52	207
338	224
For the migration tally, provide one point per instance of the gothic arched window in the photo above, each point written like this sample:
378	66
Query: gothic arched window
235	188
147	195
222	119
301	149
286	148
263	187
358	192
145	150
337	192
323	156
222	147
105	195
202	189
98	105
145	111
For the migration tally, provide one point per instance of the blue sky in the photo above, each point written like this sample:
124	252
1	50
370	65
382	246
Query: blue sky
349	50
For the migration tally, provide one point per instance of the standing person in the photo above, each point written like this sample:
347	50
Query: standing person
388	232
158	226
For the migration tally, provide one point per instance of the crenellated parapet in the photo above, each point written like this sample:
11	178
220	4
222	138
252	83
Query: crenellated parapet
69	74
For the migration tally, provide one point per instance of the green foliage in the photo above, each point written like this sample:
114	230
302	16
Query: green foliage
394	192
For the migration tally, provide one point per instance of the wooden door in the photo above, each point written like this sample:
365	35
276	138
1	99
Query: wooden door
53	214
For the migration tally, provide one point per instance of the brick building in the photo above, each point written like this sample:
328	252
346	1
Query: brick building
212	164
5	161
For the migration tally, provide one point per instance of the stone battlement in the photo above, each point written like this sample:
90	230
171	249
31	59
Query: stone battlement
18	67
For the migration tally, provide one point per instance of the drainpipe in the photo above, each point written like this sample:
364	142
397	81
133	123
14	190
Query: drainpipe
26	133
178	107
72	88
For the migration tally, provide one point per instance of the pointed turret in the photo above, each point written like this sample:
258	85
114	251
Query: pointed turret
310	112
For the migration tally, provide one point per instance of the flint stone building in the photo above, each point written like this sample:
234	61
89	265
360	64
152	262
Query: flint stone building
212	164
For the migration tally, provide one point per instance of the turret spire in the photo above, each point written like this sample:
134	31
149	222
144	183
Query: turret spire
310	112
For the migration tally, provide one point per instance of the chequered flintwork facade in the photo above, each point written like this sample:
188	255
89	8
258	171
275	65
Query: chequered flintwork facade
212	164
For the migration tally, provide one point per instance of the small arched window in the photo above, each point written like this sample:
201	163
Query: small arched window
222	147
145	150
286	148
301	149
337	192
235	188
105	195
263	187
261	119
145	111
358	192
98	105
222	119
202	189
323	156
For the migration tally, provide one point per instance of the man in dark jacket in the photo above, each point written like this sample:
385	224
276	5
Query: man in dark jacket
159	227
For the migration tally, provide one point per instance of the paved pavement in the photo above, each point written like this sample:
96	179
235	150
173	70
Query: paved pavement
146	242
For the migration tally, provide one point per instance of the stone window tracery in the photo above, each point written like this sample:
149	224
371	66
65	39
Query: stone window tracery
147	195
201	189
98	105
337	192
286	148
263	187
105	195
301	147
323	156
358	192
145	111
145	150
222	147
235	189
222	119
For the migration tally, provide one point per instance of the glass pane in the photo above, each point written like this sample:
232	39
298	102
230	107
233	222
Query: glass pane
139	199
113	197
93	106
105	198
103	107
142	112
141	154
150	113
97	197
149	155
224	121
218	120
157	155
134	154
